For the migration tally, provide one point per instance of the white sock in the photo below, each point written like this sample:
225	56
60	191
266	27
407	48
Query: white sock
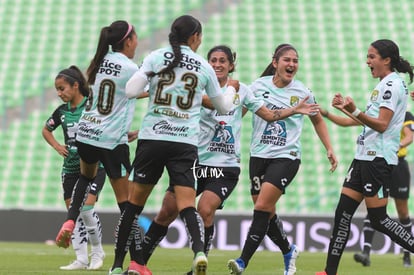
80	241
94	228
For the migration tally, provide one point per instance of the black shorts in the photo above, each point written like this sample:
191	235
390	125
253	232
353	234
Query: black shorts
400	183
279	172
116	161
219	180
69	181
369	177
152	156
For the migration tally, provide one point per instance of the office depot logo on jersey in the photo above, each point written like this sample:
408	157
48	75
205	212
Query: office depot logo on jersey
186	62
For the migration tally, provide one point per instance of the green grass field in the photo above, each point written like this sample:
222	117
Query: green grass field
39	258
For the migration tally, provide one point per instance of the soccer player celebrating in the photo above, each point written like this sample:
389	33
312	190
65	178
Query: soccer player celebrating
370	173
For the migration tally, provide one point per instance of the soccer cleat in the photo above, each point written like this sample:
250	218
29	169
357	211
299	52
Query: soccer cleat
290	260
236	266
115	271
75	265
362	258
96	260
65	234
406	259
137	269
200	264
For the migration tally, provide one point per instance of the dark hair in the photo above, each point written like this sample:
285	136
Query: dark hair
387	48
181	29
113	35
281	49
231	56
73	75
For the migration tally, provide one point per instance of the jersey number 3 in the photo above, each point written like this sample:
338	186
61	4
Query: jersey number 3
163	98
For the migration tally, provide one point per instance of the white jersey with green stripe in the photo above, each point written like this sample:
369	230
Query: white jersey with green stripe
105	122
219	142
391	93
175	97
281	138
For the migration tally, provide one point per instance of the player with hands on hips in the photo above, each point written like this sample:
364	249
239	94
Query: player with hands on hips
71	87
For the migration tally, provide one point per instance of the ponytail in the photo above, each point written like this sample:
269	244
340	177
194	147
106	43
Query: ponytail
388	48
113	35
403	66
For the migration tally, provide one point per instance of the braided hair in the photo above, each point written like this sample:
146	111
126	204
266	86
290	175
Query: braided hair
181	29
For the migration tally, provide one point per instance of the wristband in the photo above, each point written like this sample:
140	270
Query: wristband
356	112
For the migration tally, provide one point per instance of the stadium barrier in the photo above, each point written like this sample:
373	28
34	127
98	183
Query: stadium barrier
309	233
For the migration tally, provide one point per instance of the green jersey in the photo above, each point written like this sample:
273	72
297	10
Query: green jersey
68	118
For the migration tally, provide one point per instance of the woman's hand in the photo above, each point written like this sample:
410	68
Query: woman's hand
306	108
62	150
349	104
332	159
338	101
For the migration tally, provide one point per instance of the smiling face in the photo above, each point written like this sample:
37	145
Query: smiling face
380	67
286	66
221	65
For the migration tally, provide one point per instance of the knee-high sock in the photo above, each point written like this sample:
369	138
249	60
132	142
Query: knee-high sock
135	242
395	230
156	232
256	233
208	238
340	233
368	233
79	195
195	228
93	227
80	241
407	225
278	235
125	231
131	239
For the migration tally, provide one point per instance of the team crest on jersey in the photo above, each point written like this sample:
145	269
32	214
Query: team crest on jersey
236	99
223	139
294	100
223	133
275	133
374	95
